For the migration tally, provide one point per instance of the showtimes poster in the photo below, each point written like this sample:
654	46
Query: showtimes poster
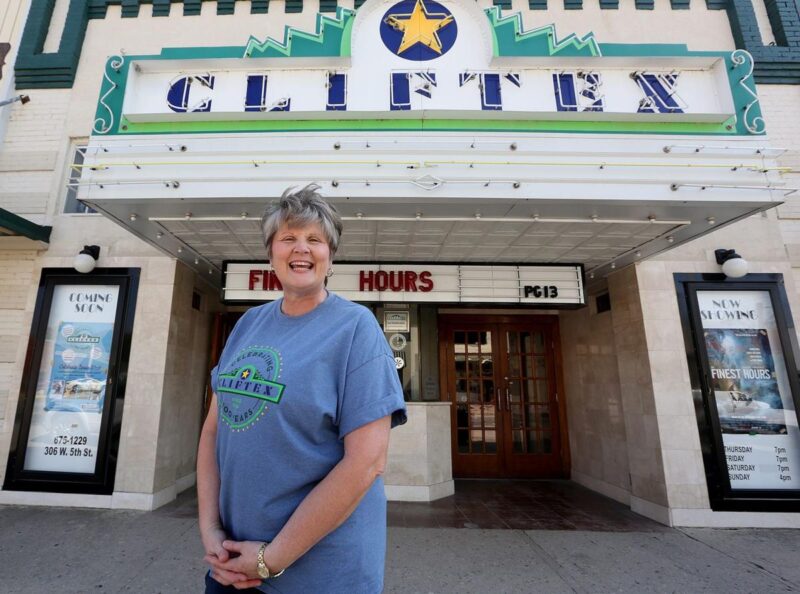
71	386
752	394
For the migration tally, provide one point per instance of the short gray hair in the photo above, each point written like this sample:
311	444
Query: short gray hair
302	207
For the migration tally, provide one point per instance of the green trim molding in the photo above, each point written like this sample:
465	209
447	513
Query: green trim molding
774	64
12	225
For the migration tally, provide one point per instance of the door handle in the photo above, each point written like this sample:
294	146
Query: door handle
508	400
499	399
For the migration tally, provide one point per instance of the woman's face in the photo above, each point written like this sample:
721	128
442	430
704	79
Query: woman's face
301	258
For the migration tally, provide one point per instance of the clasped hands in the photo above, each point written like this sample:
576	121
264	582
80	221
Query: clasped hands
233	563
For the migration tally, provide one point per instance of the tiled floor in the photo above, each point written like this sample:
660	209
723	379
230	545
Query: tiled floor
521	505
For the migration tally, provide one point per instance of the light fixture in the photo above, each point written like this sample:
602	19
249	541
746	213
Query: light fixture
86	259
21	98
733	265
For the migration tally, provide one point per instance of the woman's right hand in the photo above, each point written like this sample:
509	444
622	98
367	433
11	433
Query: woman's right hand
215	554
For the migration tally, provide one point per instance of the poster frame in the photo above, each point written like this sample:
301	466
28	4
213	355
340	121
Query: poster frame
101	482
721	496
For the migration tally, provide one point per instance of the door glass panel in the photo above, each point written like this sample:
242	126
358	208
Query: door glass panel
538	342
462	416
488	391
542	393
539	367
477	441
516	438
528	366
547	446
475	415
512	342
513	391
544	417
534	447
458	345
491	442
463	442
529	391
526	344
516	417
473	366
530	416
460	367
461	390
513	365
474	388
487	367
488	416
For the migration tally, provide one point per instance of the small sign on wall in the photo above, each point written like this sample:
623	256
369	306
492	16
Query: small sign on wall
395	321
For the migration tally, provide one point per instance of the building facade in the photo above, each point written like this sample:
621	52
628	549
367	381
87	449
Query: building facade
539	201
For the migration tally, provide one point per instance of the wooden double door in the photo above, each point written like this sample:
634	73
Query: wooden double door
502	376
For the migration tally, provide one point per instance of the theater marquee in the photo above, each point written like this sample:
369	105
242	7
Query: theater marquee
550	286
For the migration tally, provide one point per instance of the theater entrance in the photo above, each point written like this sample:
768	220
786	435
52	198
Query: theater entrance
503	377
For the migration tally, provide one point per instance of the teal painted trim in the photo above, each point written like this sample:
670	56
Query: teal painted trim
644	4
328	40
537	4
327	5
502	3
650	49
225	6
195	53
573	4
161	8
510	38
35	69
259	6
11	224
293	6
191	7
130	9
609	4
679	4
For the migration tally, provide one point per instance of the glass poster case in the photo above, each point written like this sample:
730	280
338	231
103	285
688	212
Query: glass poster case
66	432
742	361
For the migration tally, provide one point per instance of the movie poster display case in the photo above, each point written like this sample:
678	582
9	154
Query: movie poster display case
742	352
69	415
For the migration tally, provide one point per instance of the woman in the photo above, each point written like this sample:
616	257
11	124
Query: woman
290	456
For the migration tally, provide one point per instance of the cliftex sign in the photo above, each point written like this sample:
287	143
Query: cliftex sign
423	64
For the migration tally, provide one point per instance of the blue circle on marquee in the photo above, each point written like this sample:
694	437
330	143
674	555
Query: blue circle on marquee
418	52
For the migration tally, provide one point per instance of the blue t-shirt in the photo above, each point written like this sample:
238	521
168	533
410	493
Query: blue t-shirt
288	390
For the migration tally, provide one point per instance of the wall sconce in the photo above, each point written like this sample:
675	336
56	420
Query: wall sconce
86	259
21	98
733	265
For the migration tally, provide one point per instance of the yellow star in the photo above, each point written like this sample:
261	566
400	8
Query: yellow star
245	374
419	27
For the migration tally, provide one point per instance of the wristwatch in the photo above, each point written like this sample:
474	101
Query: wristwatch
263	571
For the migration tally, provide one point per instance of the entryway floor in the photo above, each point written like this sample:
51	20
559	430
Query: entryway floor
521	505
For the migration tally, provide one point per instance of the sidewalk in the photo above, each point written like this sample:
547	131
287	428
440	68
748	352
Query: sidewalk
64	550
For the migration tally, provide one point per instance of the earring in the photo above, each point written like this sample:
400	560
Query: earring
330	272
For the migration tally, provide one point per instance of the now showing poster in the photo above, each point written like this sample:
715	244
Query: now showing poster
73	375
754	405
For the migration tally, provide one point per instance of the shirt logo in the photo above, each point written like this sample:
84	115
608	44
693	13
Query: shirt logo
247	385
418	30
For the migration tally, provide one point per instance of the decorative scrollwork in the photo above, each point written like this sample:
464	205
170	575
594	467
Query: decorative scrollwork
101	124
753	124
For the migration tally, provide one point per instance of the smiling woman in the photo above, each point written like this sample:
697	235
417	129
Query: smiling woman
293	447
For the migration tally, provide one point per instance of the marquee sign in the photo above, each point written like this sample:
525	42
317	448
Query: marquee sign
446	63
547	286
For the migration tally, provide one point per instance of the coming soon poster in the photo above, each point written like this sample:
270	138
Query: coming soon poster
71	387
754	405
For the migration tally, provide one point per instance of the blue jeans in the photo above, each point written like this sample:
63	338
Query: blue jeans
214	587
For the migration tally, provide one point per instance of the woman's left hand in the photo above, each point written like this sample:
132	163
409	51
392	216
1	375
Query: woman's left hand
243	558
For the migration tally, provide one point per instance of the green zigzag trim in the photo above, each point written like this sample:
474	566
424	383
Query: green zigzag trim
510	39
332	38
